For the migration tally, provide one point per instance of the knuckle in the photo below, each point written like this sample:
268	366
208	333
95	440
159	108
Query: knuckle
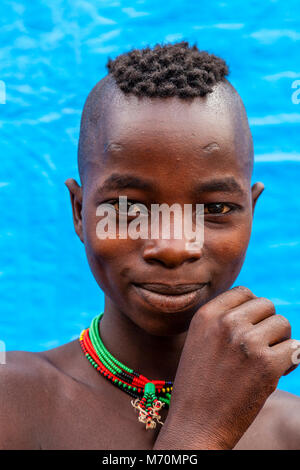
268	304
248	344
228	320
201	315
247	292
239	339
284	322
266	373
267	366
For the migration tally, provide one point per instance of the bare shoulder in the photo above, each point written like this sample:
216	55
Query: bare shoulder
27	383
19	379
277	426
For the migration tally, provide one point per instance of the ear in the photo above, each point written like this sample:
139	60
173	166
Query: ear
256	191
76	201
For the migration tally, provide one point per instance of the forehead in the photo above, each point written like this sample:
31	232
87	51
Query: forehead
132	120
142	134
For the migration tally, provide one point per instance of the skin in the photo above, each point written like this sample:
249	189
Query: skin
228	345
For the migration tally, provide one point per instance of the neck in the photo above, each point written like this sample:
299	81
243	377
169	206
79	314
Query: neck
155	357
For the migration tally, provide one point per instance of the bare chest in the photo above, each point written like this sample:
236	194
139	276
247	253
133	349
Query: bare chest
85	420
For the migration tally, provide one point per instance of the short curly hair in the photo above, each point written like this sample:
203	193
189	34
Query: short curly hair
168	70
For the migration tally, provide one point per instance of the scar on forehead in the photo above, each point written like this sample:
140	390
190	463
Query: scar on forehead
211	147
112	147
116	147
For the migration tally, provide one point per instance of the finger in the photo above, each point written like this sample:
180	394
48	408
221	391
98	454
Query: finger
285	356
229	299
295	356
253	311
273	330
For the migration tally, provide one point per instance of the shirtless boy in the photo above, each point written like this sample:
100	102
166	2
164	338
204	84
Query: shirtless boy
164	126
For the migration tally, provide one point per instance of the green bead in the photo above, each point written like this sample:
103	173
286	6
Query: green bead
164	400
105	355
115	367
149	388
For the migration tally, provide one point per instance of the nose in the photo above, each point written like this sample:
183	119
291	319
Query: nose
170	253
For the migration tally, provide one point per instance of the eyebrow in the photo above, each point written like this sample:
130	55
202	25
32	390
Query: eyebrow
118	181
227	185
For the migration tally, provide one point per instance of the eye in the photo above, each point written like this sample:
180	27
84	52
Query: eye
217	208
133	208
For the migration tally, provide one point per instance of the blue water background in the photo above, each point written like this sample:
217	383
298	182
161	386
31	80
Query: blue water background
51	54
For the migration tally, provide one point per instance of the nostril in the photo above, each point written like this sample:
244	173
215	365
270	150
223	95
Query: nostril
170	254
155	261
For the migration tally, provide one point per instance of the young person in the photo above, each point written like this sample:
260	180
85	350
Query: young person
163	127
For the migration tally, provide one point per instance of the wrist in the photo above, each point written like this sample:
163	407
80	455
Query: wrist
175	436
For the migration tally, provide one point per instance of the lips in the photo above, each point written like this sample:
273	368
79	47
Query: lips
170	298
171	290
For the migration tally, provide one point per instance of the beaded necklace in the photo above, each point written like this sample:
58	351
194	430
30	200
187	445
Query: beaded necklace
150	395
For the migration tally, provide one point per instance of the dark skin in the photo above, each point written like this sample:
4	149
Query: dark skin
228	344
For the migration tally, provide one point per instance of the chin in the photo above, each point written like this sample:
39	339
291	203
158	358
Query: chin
163	314
162	324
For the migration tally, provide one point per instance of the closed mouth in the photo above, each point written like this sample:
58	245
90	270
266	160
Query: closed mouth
170	298
165	289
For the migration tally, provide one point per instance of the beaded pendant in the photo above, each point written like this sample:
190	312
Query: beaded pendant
148	407
150	396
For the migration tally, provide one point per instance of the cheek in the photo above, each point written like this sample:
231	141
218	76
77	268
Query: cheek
96	246
107	260
108	257
227	247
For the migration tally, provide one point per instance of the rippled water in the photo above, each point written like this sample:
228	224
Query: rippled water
51	54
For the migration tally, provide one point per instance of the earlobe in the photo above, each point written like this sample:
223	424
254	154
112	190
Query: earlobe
76	201
256	191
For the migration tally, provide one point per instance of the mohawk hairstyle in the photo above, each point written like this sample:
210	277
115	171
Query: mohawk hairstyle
169	70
